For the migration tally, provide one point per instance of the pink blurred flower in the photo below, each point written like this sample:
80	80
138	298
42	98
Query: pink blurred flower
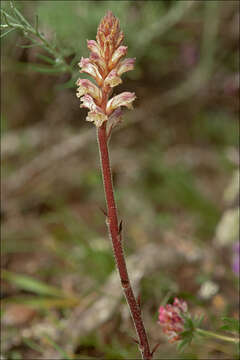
171	319
236	258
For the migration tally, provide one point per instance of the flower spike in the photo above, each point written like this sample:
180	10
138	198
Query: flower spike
105	66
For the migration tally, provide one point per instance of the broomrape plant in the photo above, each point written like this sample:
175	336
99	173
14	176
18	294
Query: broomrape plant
105	65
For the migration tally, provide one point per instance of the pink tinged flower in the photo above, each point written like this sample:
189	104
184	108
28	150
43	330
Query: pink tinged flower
87	87
88	67
124	99
120	39
116	116
126	65
117	55
94	47
88	102
180	304
114	119
171	319
112	79
97	116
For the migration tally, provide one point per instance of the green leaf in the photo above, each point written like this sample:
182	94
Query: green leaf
28	46
67	85
43	303
5	33
45	69
33	345
30	284
7	15
197	320
230	324
36	24
182	344
47	59
57	347
188	323
20	16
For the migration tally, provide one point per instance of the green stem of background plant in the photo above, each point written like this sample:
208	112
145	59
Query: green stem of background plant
217	336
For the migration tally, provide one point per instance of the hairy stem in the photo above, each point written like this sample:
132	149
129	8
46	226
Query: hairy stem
115	234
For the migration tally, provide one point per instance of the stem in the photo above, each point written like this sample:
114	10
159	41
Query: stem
217	336
117	244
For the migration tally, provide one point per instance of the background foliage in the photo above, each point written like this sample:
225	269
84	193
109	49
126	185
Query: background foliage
173	157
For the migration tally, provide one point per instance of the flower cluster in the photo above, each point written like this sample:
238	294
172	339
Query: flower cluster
105	65
171	319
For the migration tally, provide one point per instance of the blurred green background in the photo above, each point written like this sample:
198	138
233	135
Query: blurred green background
173	158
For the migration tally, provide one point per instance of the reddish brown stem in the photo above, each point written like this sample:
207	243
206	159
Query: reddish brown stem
117	244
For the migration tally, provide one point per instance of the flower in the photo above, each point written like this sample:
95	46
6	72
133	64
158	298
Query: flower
117	55
208	289
123	99
171	319
112	79
105	66
87	66
87	87
95	114
126	65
